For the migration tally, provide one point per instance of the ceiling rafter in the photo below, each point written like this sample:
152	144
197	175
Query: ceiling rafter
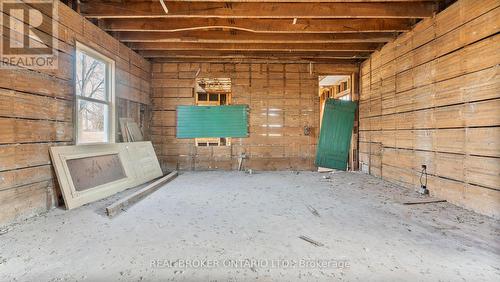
260	25
361	47
251	53
148	9
224	36
346	30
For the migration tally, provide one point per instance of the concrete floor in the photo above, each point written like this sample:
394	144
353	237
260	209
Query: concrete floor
249	225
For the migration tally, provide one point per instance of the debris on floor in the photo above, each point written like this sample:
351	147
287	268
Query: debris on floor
240	161
5	230
324	169
309	240
257	217
313	210
424	202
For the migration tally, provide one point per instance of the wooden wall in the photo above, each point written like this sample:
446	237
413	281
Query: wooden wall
433	97
36	112
282	97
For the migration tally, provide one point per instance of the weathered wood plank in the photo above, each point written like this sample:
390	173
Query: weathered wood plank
24	155
118	206
19	177
26	201
25	131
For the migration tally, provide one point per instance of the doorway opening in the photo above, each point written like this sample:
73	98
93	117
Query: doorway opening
336	87
340	87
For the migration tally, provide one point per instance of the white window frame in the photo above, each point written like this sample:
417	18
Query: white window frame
110	91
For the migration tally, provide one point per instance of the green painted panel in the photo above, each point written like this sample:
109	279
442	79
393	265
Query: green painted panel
212	121
335	134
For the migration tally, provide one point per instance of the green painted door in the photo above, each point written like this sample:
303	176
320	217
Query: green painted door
335	134
212	121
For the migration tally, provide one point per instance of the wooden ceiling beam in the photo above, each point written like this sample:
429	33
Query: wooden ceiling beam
352	63
362	47
221	36
297	1
258	54
260	25
176	9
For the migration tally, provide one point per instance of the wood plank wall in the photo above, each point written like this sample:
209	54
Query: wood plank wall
282	97
36	112
433	97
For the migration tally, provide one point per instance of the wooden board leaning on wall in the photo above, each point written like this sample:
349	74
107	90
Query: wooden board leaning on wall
132	163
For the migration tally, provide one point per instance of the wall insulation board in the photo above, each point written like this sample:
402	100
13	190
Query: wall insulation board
212	121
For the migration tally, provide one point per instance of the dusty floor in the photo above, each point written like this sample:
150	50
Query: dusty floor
249	225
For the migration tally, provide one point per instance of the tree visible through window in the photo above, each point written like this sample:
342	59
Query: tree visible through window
93	97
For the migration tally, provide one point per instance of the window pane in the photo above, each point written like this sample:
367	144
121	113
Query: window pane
222	99
93	120
90	77
202	96
214	97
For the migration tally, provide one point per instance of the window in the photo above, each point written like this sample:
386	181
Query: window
94	117
213	92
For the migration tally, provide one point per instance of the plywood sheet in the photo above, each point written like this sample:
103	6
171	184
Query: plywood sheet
123	129
134	131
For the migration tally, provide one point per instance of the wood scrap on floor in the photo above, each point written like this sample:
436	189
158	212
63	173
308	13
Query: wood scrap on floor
313	210
325	169
309	240
118	206
5	230
418	202
240	161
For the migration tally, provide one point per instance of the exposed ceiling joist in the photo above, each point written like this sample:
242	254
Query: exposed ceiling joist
362	47
154	9
266	29
261	25
303	1
286	60
250	37
236	54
